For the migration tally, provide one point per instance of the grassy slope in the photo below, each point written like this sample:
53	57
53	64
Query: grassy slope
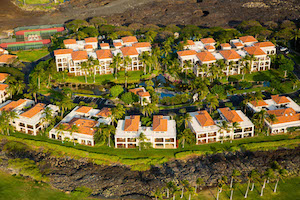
141	160
31	55
21	188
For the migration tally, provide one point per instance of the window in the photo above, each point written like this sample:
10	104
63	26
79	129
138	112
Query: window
159	139
53	136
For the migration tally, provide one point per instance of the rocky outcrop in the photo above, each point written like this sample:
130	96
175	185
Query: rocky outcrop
117	180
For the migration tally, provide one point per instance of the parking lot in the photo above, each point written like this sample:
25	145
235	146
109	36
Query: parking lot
101	102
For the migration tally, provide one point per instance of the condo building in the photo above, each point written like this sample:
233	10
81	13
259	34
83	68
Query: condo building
80	125
285	110
4	92
204	56
208	130
162	133
144	96
78	52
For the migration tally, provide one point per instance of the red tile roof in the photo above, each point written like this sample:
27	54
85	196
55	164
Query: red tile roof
117	44
104	54
132	124
69	41
189	42
230	54
140	91
209	47
104	112
34	110
207	40
160	124
264	44
104	45
91	40
142	45
7	59
129	39
246	39
62	51
79	55
84	109
85	126
205	56
129	51
256	51
225	45
230	115
3	76
238	44
280	99
3	86
204	118
259	103
12	105
284	115
186	53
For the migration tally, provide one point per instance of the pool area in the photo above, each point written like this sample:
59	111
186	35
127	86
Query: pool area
162	95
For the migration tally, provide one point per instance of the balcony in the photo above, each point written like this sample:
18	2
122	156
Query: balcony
159	140
120	139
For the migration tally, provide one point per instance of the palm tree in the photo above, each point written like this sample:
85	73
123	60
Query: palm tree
126	61
260	119
234	175
141	140
33	90
213	102
116	62
37	73
296	36
221	184
184	136
107	133
145	58
85	67
203	68
188	65
235	185
186	118
191	192
246	69
117	113
64	104
272	118
95	64
199	182
175	191
60	131
279	172
47	115
250	177
269	173
73	129
170	186
6	118
184	185
234	125
224	127
157	194
253	176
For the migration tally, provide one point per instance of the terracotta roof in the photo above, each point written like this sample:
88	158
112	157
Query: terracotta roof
132	124
209	47
104	54
238	44
85	126
225	45
259	103
186	53
264	44
160	124
207	40
284	115
69	41
88	46
62	51
117	44
104	45
230	54
7	58
140	91
3	86
280	99
129	51
256	51
34	110
79	55
189	42
141	44
246	39
204	118
12	105
105	112
84	109
3	76
205	56
230	115
90	40
129	39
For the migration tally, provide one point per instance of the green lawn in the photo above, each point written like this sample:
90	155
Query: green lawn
133	77
31	55
14	187
141	160
287	190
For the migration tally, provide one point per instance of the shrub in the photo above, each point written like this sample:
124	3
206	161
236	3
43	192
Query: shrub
129	98
82	191
12	71
116	90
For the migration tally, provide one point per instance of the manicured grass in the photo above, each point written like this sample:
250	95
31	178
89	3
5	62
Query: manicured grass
37	1
31	55
141	160
133	77
287	189
257	89
14	187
